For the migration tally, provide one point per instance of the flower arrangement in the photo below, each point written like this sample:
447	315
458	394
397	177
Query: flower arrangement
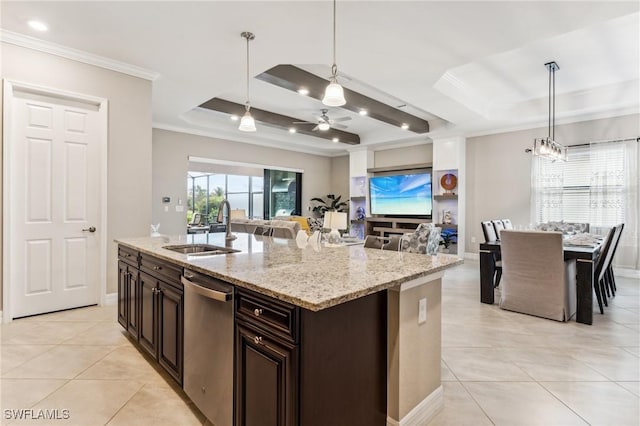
448	237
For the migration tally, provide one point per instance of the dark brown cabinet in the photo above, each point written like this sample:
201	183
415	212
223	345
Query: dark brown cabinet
170	329
150	307
266	380
148	314
297	367
123	293
128	296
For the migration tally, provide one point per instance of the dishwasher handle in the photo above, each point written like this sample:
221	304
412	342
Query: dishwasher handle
207	292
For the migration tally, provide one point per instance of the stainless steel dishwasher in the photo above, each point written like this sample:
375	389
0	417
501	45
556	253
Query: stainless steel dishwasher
208	346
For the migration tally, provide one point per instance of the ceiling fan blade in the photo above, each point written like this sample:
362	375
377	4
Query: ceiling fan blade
339	126
342	119
315	128
303	122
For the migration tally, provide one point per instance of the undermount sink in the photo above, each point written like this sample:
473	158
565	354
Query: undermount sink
200	249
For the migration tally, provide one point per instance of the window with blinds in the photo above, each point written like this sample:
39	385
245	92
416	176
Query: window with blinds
588	188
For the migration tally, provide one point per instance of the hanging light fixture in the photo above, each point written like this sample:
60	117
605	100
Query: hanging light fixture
548	147
334	94
247	123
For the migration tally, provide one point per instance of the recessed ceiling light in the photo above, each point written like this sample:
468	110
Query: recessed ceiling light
404	126
363	111
292	129
303	91
336	140
38	26
234	117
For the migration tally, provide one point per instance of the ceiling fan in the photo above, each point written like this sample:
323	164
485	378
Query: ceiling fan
324	122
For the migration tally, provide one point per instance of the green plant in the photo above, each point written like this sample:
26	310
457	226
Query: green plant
331	203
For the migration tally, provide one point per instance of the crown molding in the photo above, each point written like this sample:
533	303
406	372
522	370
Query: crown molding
33	43
262	142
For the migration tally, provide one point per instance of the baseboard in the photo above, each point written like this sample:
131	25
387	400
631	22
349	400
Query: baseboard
422	413
111	299
472	256
627	272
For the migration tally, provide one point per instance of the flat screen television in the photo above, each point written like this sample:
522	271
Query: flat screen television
401	194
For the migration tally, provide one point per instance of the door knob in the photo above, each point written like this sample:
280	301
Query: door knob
90	229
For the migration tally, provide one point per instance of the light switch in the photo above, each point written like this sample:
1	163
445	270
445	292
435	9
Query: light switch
422	311
180	208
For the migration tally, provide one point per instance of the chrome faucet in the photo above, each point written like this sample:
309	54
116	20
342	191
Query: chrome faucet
229	235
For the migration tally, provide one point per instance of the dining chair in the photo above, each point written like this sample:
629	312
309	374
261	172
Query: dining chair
605	277
507	223
382	243
374	241
611	281
602	264
536	278
489	232
498	226
490	237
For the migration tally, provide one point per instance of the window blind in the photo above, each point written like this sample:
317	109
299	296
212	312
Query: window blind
589	187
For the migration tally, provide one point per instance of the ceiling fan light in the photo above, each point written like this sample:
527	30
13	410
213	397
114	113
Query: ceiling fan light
324	126
334	95
247	124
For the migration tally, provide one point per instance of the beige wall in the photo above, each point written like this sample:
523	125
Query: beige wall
499	171
171	151
340	176
414	350
417	154
129	143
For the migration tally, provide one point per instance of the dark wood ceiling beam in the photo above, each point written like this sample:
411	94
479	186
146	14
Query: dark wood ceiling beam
280	121
292	78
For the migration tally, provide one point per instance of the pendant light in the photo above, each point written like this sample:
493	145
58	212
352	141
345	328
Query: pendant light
247	123
548	147
334	94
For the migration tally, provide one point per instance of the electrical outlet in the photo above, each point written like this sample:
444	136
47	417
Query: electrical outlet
422	311
179	208
473	239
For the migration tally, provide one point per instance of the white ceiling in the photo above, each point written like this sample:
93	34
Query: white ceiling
468	67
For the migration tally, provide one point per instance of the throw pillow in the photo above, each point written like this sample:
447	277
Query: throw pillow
315	223
304	224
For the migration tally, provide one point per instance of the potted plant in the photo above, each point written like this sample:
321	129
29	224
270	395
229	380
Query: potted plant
332	202
448	237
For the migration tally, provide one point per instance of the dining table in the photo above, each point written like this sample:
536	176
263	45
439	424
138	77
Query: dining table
585	257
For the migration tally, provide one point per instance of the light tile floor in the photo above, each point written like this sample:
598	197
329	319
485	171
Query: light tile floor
498	367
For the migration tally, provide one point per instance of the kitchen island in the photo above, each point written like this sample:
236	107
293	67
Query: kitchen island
350	345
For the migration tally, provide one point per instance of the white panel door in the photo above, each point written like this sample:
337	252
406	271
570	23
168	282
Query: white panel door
54	173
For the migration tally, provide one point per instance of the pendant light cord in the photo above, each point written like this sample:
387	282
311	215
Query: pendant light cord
247	105
553	125
334	67
549	123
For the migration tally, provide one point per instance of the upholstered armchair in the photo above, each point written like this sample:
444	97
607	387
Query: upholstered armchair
425	240
535	278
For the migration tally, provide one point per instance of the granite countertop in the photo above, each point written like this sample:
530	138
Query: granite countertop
314	277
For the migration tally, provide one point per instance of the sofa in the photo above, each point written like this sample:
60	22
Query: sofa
275	228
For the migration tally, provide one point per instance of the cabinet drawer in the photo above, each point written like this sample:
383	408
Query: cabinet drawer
273	316
161	269
128	255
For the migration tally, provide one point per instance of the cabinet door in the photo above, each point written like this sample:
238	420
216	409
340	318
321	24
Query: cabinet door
266	380
123	277
133	301
148	313
170	330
